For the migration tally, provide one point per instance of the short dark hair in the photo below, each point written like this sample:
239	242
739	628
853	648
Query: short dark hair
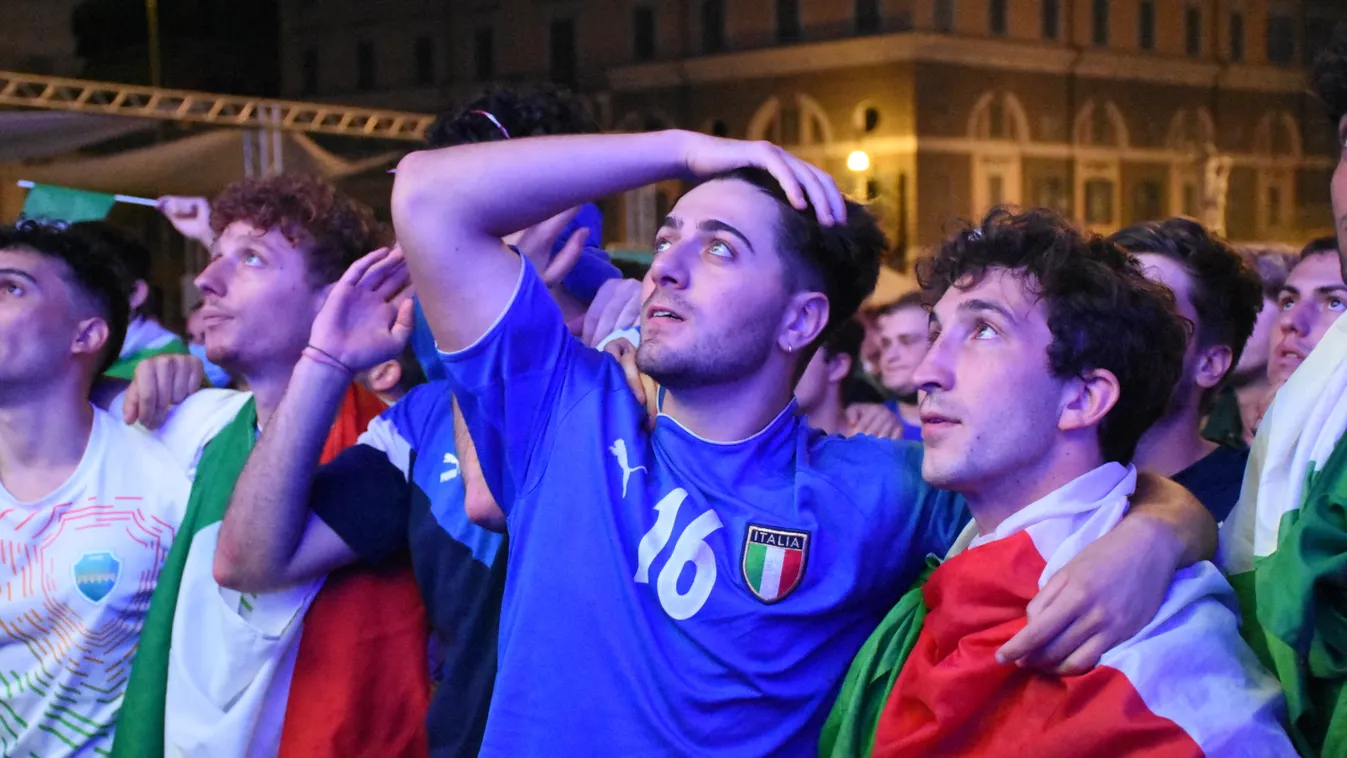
1101	309
845	340
914	299
91	273
522	112
1328	77
1225	290
841	261
1273	263
1319	246
311	213
129	253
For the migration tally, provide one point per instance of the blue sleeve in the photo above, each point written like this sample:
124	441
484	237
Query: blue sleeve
515	384
423	345
922	521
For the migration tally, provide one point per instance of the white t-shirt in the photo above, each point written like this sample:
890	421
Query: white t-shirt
193	423
77	569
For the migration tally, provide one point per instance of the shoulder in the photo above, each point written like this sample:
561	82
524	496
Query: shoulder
131	451
196	422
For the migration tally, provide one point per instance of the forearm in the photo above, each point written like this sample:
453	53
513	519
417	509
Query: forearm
269	509
1179	522
498	188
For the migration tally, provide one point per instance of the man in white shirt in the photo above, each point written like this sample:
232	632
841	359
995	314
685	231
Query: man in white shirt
88	506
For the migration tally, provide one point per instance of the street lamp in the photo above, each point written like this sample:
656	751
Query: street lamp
858	161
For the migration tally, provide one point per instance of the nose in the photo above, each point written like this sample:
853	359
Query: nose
209	281
934	372
1294	320
670	268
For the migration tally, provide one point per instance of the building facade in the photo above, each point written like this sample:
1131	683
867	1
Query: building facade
1110	111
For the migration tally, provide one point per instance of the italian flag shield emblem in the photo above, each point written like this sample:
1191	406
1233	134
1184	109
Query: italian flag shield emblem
774	561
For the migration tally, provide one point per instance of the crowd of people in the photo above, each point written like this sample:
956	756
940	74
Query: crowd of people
1078	495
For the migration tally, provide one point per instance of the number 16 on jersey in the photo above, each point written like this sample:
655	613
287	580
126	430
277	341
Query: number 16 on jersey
691	548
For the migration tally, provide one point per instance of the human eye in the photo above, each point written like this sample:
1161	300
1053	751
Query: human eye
985	331
662	244
719	249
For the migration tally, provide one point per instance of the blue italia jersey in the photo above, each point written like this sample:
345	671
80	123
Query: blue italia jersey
665	594
400	489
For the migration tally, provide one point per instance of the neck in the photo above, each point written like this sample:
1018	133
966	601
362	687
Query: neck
1251	397
998	499
268	387
43	435
1173	443
829	416
729	412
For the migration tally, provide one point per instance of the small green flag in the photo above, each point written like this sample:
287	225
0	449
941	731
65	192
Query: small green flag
52	203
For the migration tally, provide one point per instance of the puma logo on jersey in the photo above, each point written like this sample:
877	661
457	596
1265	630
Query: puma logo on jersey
619	451
450	473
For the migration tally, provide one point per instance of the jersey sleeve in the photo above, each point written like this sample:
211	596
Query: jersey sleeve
516	383
922	521
364	494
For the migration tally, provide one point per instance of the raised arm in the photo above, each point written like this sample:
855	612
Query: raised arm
270	538
451	207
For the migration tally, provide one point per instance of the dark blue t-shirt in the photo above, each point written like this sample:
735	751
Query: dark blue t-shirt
400	489
1217	479
665	594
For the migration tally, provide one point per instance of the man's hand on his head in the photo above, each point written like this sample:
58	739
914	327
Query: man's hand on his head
706	156
873	419
642	387
160	384
367	317
617	305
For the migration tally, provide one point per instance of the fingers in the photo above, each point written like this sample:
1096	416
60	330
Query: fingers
651	389
1045	623
564	261
402	325
388	277
775	163
189	379
616	311
131	403
356	271
1085	658
625	353
835	199
145	390
537	242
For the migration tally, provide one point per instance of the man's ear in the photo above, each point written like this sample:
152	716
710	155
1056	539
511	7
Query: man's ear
1088	399
839	368
384	377
139	294
1212	364
91	337
804	320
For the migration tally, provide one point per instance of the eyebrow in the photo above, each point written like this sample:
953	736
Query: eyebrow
982	306
1326	290
714	225
19	273
673	222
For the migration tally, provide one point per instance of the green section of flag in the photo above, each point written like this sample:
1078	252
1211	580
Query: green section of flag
125	368
1294	615
754	558
140	727
50	203
850	729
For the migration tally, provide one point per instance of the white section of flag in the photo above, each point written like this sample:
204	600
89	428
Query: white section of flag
771	572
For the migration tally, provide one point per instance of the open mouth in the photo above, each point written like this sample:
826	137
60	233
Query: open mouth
656	312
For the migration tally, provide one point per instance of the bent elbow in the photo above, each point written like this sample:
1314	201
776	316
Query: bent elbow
232	572
482	509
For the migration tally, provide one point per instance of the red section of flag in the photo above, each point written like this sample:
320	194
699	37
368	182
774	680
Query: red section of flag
791	565
953	698
361	685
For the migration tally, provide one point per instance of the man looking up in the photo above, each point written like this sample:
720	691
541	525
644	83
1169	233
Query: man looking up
902	340
1220	296
1283	545
726	521
1051	355
1310	302
222	673
88	506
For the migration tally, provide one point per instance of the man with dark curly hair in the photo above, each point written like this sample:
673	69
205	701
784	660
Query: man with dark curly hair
1051	355
223	673
1285	544
1219	294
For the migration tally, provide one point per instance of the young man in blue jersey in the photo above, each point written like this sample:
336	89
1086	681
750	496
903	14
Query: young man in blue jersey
698	588
667	594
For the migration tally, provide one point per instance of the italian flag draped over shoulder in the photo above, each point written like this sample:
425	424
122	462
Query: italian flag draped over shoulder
1285	546
1185	685
347	678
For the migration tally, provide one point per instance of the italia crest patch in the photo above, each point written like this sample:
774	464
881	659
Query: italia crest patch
774	561
96	574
